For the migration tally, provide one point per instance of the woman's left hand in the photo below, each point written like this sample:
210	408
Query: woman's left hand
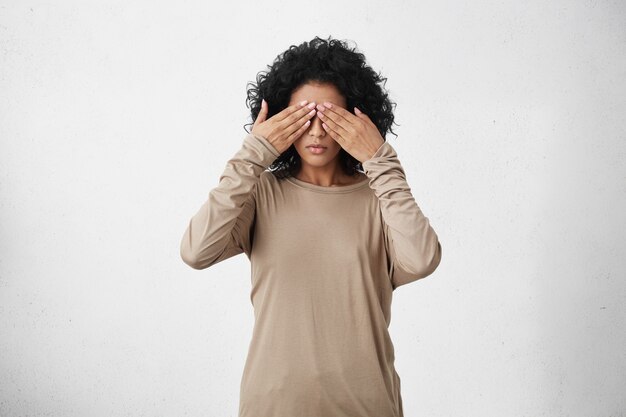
356	133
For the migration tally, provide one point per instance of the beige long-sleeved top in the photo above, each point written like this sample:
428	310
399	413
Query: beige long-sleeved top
324	264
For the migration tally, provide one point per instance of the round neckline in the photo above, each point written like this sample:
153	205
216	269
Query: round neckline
332	189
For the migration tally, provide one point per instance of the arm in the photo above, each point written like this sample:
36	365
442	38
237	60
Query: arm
222	227
412	244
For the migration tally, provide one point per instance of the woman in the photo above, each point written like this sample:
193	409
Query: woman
331	229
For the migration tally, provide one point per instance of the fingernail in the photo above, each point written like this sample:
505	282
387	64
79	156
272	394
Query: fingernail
303	102
327	104
311	105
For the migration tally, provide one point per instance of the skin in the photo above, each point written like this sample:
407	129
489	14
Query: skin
324	169
321	169
329	125
282	129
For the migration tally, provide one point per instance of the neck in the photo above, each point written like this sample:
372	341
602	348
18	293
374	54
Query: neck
329	176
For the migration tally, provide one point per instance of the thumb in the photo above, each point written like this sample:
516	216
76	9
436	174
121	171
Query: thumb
262	113
361	115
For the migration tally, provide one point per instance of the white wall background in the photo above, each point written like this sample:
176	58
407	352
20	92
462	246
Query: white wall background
117	118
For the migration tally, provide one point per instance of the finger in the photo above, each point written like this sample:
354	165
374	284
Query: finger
333	134
295	135
340	111
288	111
295	120
363	116
336	122
262	113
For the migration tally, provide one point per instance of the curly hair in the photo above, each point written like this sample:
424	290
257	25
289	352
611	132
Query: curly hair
325	61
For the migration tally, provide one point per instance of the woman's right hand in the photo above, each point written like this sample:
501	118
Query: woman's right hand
284	128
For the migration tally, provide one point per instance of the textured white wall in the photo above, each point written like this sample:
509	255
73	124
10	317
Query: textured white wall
116	119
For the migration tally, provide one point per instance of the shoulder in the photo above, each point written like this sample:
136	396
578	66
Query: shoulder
267	178
267	181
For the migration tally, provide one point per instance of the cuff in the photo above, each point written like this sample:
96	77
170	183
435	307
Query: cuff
385	154
265	149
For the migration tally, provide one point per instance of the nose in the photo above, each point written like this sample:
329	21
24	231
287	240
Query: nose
316	129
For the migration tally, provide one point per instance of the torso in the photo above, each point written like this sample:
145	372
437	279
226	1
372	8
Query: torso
357	178
321	292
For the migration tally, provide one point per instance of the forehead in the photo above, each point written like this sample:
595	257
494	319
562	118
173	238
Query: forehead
317	92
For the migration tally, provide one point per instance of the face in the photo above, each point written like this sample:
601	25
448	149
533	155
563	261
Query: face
316	134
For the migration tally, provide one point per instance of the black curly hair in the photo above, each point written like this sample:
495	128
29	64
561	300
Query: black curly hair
325	61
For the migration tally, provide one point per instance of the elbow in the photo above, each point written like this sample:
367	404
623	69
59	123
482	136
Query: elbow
434	262
198	258
190	260
194	253
191	257
425	265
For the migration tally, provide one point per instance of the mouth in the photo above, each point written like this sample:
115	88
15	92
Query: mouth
316	149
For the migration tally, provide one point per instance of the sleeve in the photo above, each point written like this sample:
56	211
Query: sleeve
223	225
412	244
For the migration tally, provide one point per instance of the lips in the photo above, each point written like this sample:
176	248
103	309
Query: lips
316	149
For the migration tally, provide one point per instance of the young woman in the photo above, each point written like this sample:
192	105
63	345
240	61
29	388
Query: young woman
318	201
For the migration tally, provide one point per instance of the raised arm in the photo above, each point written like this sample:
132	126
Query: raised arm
411	242
222	226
